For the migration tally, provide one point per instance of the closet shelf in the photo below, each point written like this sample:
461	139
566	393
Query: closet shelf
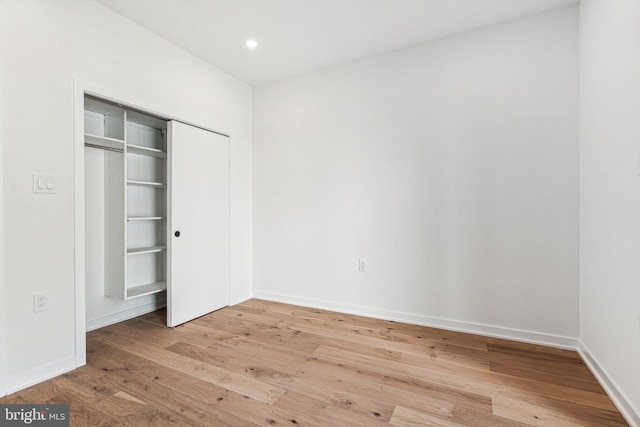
147	289
147	183
147	250
103	141
145	218
146	151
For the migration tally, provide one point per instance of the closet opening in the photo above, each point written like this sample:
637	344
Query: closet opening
156	216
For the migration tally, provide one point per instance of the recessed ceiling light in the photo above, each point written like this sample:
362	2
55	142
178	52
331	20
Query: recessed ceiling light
252	44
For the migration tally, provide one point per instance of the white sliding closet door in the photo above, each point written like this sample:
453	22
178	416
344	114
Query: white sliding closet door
199	223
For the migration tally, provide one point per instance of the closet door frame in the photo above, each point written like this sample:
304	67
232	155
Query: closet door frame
124	99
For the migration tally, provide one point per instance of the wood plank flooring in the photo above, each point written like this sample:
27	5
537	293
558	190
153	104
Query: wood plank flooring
263	363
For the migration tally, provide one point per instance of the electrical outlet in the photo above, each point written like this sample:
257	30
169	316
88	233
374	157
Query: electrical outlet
40	301
362	265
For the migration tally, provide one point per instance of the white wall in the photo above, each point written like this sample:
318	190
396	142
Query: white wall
610	193
45	45
3	301
452	167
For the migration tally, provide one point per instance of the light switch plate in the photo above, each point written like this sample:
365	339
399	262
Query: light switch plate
44	184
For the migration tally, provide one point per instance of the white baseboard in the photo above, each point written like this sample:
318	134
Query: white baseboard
39	374
619	398
434	322
120	316
240	297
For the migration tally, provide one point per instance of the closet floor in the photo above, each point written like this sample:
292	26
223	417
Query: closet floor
265	363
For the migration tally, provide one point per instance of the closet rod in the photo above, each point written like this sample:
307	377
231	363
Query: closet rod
102	147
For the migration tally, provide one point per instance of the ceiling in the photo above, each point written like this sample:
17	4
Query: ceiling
297	36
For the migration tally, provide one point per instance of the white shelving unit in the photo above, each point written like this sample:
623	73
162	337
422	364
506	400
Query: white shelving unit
146	205
135	197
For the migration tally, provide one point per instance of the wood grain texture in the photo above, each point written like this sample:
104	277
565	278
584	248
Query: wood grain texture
261	364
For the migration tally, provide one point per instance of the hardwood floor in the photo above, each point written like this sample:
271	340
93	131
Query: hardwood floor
263	363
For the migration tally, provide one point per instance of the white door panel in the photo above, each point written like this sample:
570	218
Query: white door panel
199	206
